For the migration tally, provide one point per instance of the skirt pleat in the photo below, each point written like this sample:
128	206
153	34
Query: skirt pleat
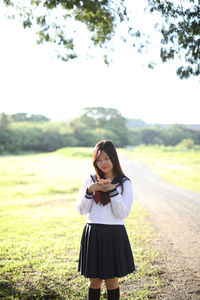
105	252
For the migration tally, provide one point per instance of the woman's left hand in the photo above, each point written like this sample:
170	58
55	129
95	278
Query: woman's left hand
106	185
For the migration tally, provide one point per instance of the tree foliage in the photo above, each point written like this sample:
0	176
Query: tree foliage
180	27
23	117
163	136
52	16
108	119
187	144
180	33
4	122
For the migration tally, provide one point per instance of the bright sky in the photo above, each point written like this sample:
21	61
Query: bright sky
33	80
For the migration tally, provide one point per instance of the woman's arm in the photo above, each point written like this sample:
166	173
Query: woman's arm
84	199
121	203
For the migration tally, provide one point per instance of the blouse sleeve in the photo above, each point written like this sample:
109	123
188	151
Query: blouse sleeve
84	199
121	203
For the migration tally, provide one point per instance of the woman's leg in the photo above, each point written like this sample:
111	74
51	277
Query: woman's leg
94	288
112	286
112	283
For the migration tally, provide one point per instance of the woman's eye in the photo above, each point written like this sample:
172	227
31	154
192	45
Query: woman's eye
100	161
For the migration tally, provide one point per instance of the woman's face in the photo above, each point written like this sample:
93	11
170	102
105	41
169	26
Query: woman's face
104	163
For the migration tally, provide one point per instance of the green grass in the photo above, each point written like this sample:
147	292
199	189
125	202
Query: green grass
178	166
40	230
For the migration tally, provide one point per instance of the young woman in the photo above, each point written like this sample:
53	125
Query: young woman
105	252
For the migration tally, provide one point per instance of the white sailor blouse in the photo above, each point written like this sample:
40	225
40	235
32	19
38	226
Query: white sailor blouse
116	209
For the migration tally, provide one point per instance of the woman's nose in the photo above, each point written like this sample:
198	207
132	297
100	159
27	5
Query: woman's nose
103	162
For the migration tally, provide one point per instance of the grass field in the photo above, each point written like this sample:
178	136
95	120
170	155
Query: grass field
176	165
40	230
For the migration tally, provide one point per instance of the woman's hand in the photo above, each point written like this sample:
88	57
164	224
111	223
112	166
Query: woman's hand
103	185
107	187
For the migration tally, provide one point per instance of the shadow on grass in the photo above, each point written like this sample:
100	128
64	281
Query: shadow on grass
9	292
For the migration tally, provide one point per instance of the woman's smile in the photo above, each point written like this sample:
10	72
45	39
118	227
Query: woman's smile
104	168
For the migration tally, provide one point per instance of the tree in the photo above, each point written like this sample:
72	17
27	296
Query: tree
4	122
23	117
53	19
149	136
100	116
106	118
179	28
186	144
176	133
180	33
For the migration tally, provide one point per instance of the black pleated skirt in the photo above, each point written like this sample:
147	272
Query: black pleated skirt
105	252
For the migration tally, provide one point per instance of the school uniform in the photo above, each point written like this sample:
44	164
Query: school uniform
105	250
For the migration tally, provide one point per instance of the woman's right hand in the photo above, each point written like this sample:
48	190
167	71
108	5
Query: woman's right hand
100	185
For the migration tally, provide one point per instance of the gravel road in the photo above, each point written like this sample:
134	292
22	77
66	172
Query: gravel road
175	215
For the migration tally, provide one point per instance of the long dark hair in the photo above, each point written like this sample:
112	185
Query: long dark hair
109	148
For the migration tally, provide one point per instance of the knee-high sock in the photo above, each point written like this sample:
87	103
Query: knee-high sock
93	294
113	294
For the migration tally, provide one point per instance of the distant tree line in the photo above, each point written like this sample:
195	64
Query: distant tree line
26	132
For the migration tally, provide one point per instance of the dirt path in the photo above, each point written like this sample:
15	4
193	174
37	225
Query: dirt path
175	214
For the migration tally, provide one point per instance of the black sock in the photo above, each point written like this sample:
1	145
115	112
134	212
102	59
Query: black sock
93	294
113	294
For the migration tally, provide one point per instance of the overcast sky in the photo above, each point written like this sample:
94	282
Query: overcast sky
33	80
